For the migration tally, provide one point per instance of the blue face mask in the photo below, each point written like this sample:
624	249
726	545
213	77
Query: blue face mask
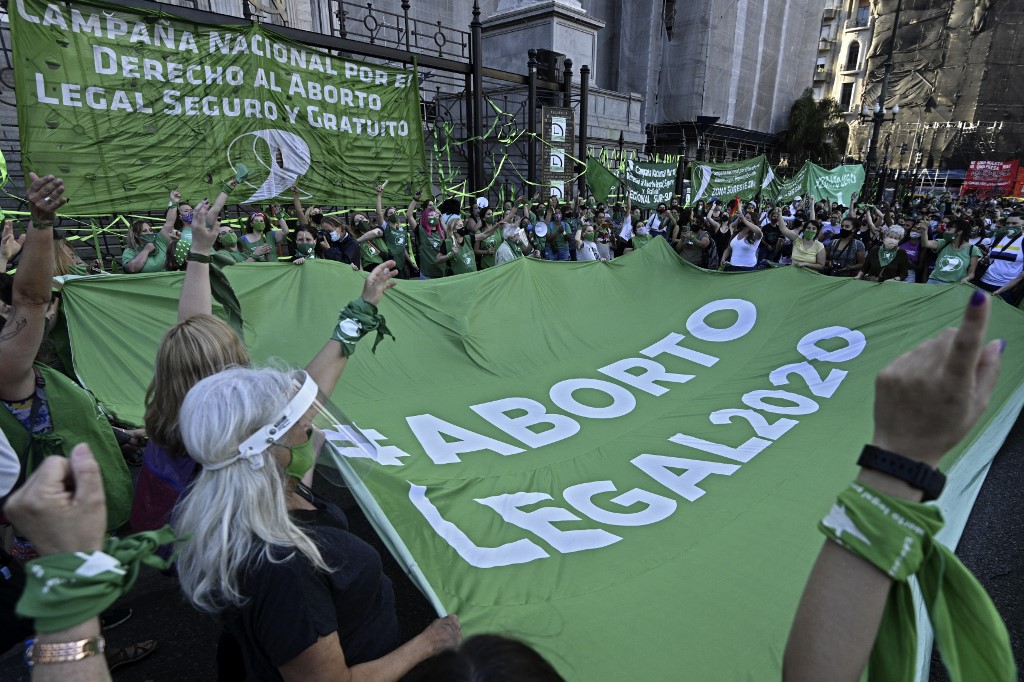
186	218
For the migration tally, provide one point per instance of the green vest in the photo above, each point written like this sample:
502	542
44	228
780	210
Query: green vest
76	419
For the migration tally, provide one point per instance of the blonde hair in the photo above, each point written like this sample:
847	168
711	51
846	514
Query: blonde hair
236	516
190	351
63	257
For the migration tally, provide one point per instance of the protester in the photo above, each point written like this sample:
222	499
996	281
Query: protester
741	255
396	235
691	244
487	248
1006	261
514	246
255	242
886	262
956	257
808	252
146	251
845	253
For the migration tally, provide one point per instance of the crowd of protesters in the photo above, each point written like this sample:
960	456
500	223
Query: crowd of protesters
231	448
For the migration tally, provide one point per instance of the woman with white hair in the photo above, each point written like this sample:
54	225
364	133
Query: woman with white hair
303	598
887	261
514	246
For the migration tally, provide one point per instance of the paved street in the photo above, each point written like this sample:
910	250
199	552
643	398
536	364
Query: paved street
992	547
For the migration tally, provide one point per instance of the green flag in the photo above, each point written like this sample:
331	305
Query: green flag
599	179
633	492
651	184
744	179
787	190
126	104
838	184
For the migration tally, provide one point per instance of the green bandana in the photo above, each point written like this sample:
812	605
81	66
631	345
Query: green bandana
947	236
489	219
885	256
896	536
258	226
62	590
228	239
304	250
149	238
356	320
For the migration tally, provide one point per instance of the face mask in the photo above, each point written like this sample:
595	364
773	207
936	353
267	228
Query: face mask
302	459
335	236
558	216
228	239
592	204
317	218
148	238
844	232
489	219
809	235
1013	231
363	224
589	236
392	217
948	236
304	250
636	216
915	235
258	226
890	243
641	231
661	210
432	221
186	218
464	231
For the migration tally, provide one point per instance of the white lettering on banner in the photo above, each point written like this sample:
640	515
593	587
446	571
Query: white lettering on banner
653	372
684	485
581	497
353	442
519	552
534	414
660	468
428	430
541	522
623	402
746	316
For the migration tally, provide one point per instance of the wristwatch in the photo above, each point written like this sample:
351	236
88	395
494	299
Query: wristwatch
917	474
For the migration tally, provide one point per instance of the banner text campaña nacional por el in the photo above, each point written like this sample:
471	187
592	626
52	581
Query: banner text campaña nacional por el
126	105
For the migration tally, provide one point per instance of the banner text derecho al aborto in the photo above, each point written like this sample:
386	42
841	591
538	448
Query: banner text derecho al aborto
158	100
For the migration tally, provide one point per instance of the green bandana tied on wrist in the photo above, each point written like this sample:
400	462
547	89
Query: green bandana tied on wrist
63	590
897	537
356	320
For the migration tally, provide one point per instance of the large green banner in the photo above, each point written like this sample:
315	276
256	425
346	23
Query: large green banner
744	179
600	180
787	190
634	492
126	105
650	184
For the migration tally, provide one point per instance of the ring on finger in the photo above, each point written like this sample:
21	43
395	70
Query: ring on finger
47	200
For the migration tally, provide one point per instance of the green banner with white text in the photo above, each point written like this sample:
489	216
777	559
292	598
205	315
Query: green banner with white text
632	490
837	185
127	104
650	184
743	179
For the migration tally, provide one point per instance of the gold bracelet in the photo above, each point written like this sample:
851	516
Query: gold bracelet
65	652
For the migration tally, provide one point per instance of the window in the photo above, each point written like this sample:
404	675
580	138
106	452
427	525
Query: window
863	12
846	96
852	56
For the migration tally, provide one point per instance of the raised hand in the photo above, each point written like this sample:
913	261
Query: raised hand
380	280
44	198
204	235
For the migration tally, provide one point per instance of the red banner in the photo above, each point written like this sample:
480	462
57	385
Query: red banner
1018	187
992	178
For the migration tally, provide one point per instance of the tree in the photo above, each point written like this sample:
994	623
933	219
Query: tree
817	131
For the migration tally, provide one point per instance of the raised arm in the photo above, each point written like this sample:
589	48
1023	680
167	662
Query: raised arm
839	614
750	224
809	200
30	297
780	222
380	205
297	205
171	217
326	368
196	297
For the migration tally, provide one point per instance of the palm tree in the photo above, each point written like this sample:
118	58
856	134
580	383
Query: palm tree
817	131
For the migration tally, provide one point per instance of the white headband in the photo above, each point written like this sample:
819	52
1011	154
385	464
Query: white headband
254	446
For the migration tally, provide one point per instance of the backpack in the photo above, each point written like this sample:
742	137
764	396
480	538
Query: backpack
709	258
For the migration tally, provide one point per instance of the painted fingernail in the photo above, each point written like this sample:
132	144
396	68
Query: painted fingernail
1002	346
977	298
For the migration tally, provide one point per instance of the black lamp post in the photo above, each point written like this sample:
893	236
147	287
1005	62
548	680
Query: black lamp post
879	110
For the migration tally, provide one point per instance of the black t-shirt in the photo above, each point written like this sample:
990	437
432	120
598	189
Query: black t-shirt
345	250
291	604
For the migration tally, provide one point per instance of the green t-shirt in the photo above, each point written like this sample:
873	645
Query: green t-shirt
248	247
640	240
228	257
465	259
428	249
373	251
492	242
561	234
157	260
952	264
397	238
